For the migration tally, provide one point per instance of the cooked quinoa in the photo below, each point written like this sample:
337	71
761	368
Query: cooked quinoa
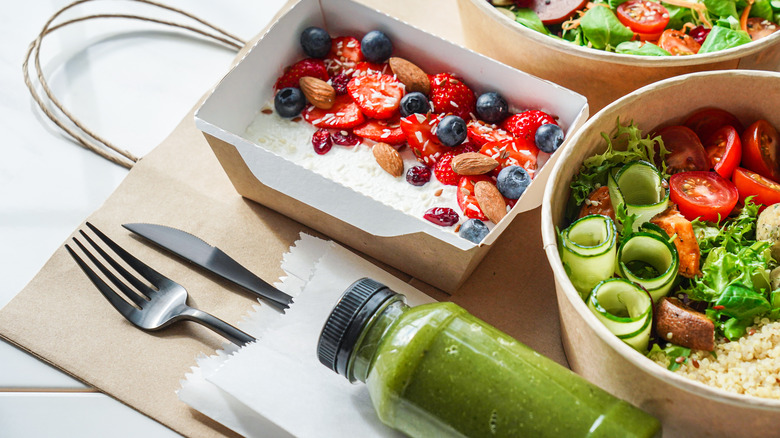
749	366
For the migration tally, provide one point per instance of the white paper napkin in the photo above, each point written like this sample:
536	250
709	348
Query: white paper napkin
277	386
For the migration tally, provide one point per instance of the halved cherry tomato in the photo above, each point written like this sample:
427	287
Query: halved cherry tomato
759	150
725	150
646	18
765	191
554	12
678	43
686	153
706	121
758	27
704	195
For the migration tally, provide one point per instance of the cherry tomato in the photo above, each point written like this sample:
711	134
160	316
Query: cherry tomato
765	191
706	121
704	195
759	150
554	12
725	150
678	43
686	153
646	18
758	27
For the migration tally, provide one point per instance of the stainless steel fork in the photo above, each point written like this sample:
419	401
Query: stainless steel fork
155	307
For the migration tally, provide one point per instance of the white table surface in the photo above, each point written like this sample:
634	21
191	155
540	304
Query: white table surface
131	83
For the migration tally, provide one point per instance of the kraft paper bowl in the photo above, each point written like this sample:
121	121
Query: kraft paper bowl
686	408
600	76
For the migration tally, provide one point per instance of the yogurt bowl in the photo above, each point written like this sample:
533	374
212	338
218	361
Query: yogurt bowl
685	407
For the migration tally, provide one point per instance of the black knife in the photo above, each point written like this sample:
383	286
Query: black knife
211	258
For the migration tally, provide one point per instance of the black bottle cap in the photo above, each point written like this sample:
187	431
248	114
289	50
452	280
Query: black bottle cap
344	325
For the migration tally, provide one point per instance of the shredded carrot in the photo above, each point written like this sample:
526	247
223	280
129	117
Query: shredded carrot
700	9
744	17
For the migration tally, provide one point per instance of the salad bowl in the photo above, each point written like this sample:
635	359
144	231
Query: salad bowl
685	407
599	75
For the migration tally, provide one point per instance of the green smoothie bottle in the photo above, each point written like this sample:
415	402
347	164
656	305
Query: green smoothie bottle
436	371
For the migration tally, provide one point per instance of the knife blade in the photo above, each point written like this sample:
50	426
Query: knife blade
196	250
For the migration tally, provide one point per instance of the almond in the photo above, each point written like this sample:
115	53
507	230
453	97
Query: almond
473	163
388	159
413	77
318	92
490	200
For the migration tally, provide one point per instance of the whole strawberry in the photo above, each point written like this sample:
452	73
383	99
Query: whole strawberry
305	67
450	95
443	170
525	124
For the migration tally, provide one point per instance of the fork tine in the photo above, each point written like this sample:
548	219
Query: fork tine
119	304
129	293
142	268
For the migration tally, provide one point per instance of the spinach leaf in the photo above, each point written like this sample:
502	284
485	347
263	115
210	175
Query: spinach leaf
721	38
639	48
678	16
672	353
742	302
763	9
734	328
528	18
603	29
722	8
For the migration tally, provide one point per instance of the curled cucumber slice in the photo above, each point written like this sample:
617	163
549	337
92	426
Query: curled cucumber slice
650	261
588	251
625	309
641	188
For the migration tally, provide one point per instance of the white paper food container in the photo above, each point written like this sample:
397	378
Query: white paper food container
421	249
601	76
685	407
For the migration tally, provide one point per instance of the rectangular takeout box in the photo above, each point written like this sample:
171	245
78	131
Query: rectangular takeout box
430	253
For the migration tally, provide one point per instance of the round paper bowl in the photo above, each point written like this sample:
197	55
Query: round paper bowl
600	76
686	408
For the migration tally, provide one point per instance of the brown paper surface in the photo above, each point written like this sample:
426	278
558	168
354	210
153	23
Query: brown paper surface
62	319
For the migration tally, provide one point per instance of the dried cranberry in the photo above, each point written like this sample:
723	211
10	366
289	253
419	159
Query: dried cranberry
346	138
418	175
443	216
339	83
321	141
699	33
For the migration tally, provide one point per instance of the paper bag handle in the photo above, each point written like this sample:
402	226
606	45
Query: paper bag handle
67	121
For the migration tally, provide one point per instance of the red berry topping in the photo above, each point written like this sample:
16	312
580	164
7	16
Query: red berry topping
343	114
418	129
346	138
443	216
305	67
450	95
387	131
371	68
480	132
464	147
378	96
512	152
339	83
344	55
418	175
526	123
444	172
321	141
467	200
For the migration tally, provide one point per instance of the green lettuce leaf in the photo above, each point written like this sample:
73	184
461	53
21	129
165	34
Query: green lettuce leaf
722	38
639	48
603	29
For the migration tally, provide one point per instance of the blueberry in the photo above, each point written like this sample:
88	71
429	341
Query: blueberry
549	137
315	42
474	230
414	102
376	46
492	108
512	181
451	131
289	102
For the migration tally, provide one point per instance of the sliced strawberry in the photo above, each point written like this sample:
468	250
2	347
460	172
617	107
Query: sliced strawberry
480	132
371	68
467	201
344	54
464	147
305	67
526	123
378	96
417	129
343	114
512	152
450	95
443	170
387	131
